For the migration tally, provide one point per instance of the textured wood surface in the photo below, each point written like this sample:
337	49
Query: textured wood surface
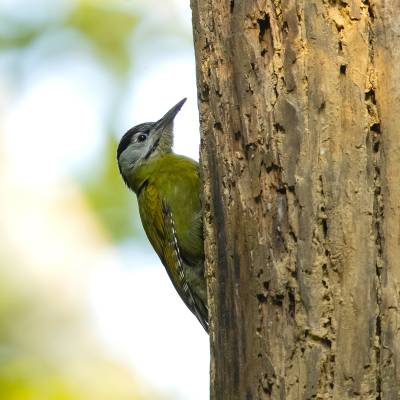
300	121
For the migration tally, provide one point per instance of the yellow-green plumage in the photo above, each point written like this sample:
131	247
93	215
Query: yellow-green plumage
168	192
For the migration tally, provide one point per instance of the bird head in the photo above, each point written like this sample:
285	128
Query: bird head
145	141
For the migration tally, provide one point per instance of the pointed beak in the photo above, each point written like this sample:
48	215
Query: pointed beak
170	115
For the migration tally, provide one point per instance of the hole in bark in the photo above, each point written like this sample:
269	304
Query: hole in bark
279	127
253	67
285	27
268	389
264	24
278	299
378	326
375	146
343	69
376	128
324	227
340	46
370	96
218	126
237	135
281	190
263	52
262	298
266	285
232	5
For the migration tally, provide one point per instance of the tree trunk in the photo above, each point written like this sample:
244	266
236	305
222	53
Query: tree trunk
300	120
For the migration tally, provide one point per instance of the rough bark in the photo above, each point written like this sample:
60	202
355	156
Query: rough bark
300	120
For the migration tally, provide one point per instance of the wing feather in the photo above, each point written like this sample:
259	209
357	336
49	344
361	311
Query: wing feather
160	228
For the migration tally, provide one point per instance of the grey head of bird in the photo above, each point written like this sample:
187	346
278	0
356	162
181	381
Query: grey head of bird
145	141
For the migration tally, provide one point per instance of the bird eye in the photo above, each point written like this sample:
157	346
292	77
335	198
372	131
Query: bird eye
142	137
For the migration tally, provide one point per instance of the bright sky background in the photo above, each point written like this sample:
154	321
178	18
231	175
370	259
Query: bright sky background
133	306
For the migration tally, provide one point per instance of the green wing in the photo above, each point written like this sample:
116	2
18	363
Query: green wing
160	227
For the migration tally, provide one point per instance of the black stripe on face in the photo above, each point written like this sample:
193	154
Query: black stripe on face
126	140
152	148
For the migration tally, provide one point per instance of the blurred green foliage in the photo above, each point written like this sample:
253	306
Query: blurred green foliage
105	24
32	334
48	350
108	28
108	195
19	37
46	354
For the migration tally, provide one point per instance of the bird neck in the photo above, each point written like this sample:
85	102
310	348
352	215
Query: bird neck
138	177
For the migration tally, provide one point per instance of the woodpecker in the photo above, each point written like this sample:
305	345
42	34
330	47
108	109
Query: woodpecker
167	186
